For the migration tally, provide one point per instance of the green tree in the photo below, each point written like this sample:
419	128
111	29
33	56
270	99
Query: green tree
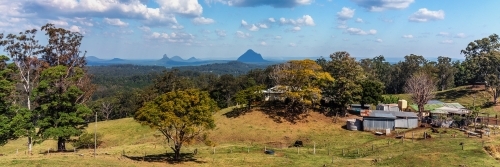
483	57
462	76
475	53
179	115
61	108
24	50
301	80
346	88
249	95
14	119
372	92
446	73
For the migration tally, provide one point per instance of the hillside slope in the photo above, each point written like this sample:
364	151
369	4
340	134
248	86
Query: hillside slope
241	141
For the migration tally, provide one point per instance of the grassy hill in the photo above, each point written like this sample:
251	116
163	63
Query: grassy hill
464	95
241	141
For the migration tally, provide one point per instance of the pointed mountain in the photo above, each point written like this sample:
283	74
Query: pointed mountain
251	57
177	58
164	58
192	59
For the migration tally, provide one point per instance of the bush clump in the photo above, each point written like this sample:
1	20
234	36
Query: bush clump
86	140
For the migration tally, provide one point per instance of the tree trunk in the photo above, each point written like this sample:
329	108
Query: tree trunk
61	144
30	145
420	112
177	152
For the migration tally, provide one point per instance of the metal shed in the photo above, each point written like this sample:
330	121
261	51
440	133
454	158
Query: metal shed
406	120
379	121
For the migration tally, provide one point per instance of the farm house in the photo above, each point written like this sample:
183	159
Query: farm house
382	120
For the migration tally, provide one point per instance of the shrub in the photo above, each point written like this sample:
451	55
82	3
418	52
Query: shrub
86	140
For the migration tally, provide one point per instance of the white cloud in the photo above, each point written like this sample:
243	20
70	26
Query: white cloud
75	29
185	7
359	20
241	34
244	23
381	5
272	20
173	37
203	20
263	43
115	22
443	34
379	40
253	28
292	44
408	36
306	20
460	35
425	15
255	3
295	29
145	29
263	26
278	37
220	33
37	10
448	41
177	27
357	31
345	14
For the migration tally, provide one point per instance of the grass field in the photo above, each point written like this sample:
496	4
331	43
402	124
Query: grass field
241	141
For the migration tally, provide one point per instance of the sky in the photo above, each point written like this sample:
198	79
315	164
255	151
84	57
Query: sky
277	29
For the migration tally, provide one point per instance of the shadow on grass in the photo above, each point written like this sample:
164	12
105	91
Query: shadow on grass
236	112
168	158
455	94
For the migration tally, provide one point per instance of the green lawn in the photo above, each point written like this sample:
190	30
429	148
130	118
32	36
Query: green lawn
241	142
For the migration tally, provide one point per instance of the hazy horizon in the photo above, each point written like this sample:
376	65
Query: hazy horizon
225	29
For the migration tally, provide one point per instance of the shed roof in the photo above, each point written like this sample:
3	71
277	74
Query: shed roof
431	107
391	114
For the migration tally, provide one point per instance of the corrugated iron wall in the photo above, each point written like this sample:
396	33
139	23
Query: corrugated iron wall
373	124
404	123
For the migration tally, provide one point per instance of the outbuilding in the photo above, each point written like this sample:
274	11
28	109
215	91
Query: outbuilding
381	120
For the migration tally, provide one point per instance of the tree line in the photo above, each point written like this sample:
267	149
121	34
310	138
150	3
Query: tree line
354	81
44	88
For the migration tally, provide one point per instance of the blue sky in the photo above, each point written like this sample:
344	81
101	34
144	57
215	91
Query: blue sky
225	29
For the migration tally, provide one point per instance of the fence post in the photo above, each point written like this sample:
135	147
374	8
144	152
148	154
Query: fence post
314	148
343	152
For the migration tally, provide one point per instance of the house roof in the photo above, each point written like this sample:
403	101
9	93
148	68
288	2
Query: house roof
446	110
391	114
431	107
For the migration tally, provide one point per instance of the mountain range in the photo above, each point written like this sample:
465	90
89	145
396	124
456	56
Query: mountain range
249	57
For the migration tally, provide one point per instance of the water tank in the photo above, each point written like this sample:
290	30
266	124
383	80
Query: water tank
402	104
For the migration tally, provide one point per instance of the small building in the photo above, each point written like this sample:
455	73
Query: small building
379	121
356	108
388	107
273	93
435	108
382	120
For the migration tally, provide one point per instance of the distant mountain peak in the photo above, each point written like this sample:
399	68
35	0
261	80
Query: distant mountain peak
165	56
176	58
251	56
